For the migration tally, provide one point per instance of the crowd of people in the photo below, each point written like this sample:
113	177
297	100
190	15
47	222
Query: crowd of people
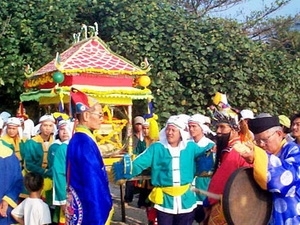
188	153
53	173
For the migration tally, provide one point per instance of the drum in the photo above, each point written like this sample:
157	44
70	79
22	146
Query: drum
244	202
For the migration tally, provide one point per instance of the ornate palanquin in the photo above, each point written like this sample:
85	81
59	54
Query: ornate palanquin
90	66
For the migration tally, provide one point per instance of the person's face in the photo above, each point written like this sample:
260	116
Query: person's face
146	131
63	133
12	131
47	128
295	128
173	135
195	130
94	118
223	128
269	140
224	135
138	127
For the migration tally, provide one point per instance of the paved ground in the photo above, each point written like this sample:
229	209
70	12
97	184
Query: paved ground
134	215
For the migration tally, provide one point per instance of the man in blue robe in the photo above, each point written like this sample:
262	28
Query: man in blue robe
11	183
88	197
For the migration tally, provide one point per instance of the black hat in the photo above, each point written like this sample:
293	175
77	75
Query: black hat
258	125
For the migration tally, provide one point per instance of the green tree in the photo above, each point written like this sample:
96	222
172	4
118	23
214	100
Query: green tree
32	32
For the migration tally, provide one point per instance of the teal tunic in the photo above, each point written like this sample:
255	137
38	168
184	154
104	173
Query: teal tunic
170	167
204	167
35	155
59	175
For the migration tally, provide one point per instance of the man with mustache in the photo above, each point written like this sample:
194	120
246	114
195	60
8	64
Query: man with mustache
227	161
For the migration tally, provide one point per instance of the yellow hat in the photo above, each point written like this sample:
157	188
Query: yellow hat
284	121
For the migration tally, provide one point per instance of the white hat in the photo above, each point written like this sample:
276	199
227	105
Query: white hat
207	119
247	114
177	121
14	121
67	123
47	118
146	124
200	120
138	120
5	115
1	123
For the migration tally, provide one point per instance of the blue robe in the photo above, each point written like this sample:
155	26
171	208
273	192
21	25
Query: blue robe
279	174
89	200
11	181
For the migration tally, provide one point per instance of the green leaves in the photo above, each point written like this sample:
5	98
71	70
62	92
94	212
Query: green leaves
191	58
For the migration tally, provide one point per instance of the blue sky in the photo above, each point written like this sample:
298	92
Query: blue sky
249	5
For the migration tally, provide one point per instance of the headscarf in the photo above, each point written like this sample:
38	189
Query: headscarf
44	118
179	123
201	120
13	121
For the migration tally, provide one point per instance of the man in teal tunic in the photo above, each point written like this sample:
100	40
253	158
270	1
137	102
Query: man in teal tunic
36	149
172	162
57	164
204	163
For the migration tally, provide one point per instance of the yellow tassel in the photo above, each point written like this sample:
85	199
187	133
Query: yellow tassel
153	127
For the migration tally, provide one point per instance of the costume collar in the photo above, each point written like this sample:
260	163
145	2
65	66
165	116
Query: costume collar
283	142
5	151
85	130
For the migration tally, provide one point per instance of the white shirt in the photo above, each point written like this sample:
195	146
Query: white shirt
34	211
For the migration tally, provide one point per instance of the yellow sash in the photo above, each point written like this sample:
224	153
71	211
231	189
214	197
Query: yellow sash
157	193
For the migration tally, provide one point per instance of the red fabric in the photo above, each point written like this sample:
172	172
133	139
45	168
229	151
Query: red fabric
230	161
151	214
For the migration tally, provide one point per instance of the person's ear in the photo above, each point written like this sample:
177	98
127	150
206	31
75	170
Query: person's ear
85	116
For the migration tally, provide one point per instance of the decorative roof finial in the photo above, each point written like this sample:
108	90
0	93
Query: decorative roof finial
96	29
145	65
28	71
84	27
57	60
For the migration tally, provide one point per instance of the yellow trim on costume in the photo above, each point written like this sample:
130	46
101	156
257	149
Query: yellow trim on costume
62	217
157	193
111	213
283	142
11	202
84	129
47	186
5	151
15	142
260	165
39	139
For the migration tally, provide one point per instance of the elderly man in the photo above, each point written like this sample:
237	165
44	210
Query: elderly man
204	163
227	161
276	164
172	163
89	200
